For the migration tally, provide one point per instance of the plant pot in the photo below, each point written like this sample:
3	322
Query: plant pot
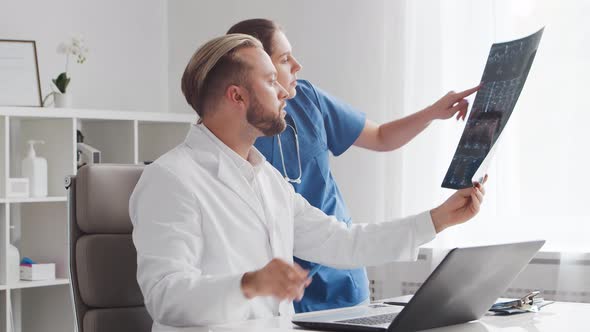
62	100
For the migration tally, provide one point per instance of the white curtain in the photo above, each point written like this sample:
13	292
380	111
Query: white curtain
538	183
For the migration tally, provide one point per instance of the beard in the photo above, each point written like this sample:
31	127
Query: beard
262	118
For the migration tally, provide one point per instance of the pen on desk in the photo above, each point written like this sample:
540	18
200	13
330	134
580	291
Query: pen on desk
401	304
314	271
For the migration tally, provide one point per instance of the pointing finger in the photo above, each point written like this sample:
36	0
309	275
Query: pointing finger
468	92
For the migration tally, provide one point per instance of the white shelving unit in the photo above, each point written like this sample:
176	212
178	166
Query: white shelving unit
38	226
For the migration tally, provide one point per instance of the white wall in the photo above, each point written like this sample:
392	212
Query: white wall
127	63
342	46
139	49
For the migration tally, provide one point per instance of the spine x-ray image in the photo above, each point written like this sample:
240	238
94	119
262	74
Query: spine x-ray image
503	78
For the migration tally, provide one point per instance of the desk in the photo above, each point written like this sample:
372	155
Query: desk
559	316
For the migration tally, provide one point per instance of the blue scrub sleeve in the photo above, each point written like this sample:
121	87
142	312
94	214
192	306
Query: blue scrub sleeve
342	122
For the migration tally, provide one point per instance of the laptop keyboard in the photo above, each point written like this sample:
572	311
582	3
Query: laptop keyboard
371	320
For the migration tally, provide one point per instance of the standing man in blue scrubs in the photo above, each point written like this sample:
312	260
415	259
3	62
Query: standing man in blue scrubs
318	124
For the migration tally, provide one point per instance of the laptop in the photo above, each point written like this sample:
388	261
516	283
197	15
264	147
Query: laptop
462	288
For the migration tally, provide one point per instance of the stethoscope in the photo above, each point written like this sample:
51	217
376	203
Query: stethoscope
294	128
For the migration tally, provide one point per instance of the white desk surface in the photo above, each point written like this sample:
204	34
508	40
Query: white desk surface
559	316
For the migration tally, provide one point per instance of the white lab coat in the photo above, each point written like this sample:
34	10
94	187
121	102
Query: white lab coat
198	227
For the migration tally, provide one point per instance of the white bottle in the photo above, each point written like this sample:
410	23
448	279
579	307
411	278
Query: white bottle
13	264
35	168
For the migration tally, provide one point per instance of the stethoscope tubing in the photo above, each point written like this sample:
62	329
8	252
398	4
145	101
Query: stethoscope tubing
287	178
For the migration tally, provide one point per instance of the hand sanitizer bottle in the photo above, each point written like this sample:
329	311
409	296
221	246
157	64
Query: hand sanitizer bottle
35	168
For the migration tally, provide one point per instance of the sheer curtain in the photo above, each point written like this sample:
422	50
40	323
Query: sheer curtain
538	184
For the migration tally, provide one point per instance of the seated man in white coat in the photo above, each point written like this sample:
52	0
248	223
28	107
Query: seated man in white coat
216	226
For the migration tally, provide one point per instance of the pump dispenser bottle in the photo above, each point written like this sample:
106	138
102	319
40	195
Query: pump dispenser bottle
35	168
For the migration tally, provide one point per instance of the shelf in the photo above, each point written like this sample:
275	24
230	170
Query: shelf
31	284
34	199
40	112
37	226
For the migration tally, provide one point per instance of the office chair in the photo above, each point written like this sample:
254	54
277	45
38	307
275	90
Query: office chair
103	259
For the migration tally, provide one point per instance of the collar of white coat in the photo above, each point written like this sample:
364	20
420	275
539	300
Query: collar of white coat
232	169
249	167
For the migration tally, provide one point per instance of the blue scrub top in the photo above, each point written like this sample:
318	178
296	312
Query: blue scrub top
324	124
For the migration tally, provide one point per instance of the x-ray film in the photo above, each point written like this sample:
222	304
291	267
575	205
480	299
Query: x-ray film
503	78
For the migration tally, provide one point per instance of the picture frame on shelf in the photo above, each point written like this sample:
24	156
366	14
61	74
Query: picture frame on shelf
19	73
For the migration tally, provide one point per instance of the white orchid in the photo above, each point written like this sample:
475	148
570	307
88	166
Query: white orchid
75	47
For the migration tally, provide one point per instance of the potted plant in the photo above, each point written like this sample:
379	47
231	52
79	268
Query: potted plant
76	48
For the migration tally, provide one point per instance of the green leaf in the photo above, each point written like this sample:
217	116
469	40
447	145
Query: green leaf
61	82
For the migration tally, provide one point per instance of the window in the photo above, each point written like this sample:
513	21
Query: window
538	184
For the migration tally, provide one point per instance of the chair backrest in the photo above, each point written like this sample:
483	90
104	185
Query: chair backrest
103	259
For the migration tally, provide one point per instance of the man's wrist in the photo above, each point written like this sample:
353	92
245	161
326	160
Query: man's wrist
438	219
247	284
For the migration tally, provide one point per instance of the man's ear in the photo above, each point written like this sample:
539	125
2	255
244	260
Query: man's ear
236	95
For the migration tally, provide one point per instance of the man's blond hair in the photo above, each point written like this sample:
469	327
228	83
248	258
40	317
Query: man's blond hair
213	67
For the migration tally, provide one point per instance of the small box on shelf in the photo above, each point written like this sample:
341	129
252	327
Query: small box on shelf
17	188
36	272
